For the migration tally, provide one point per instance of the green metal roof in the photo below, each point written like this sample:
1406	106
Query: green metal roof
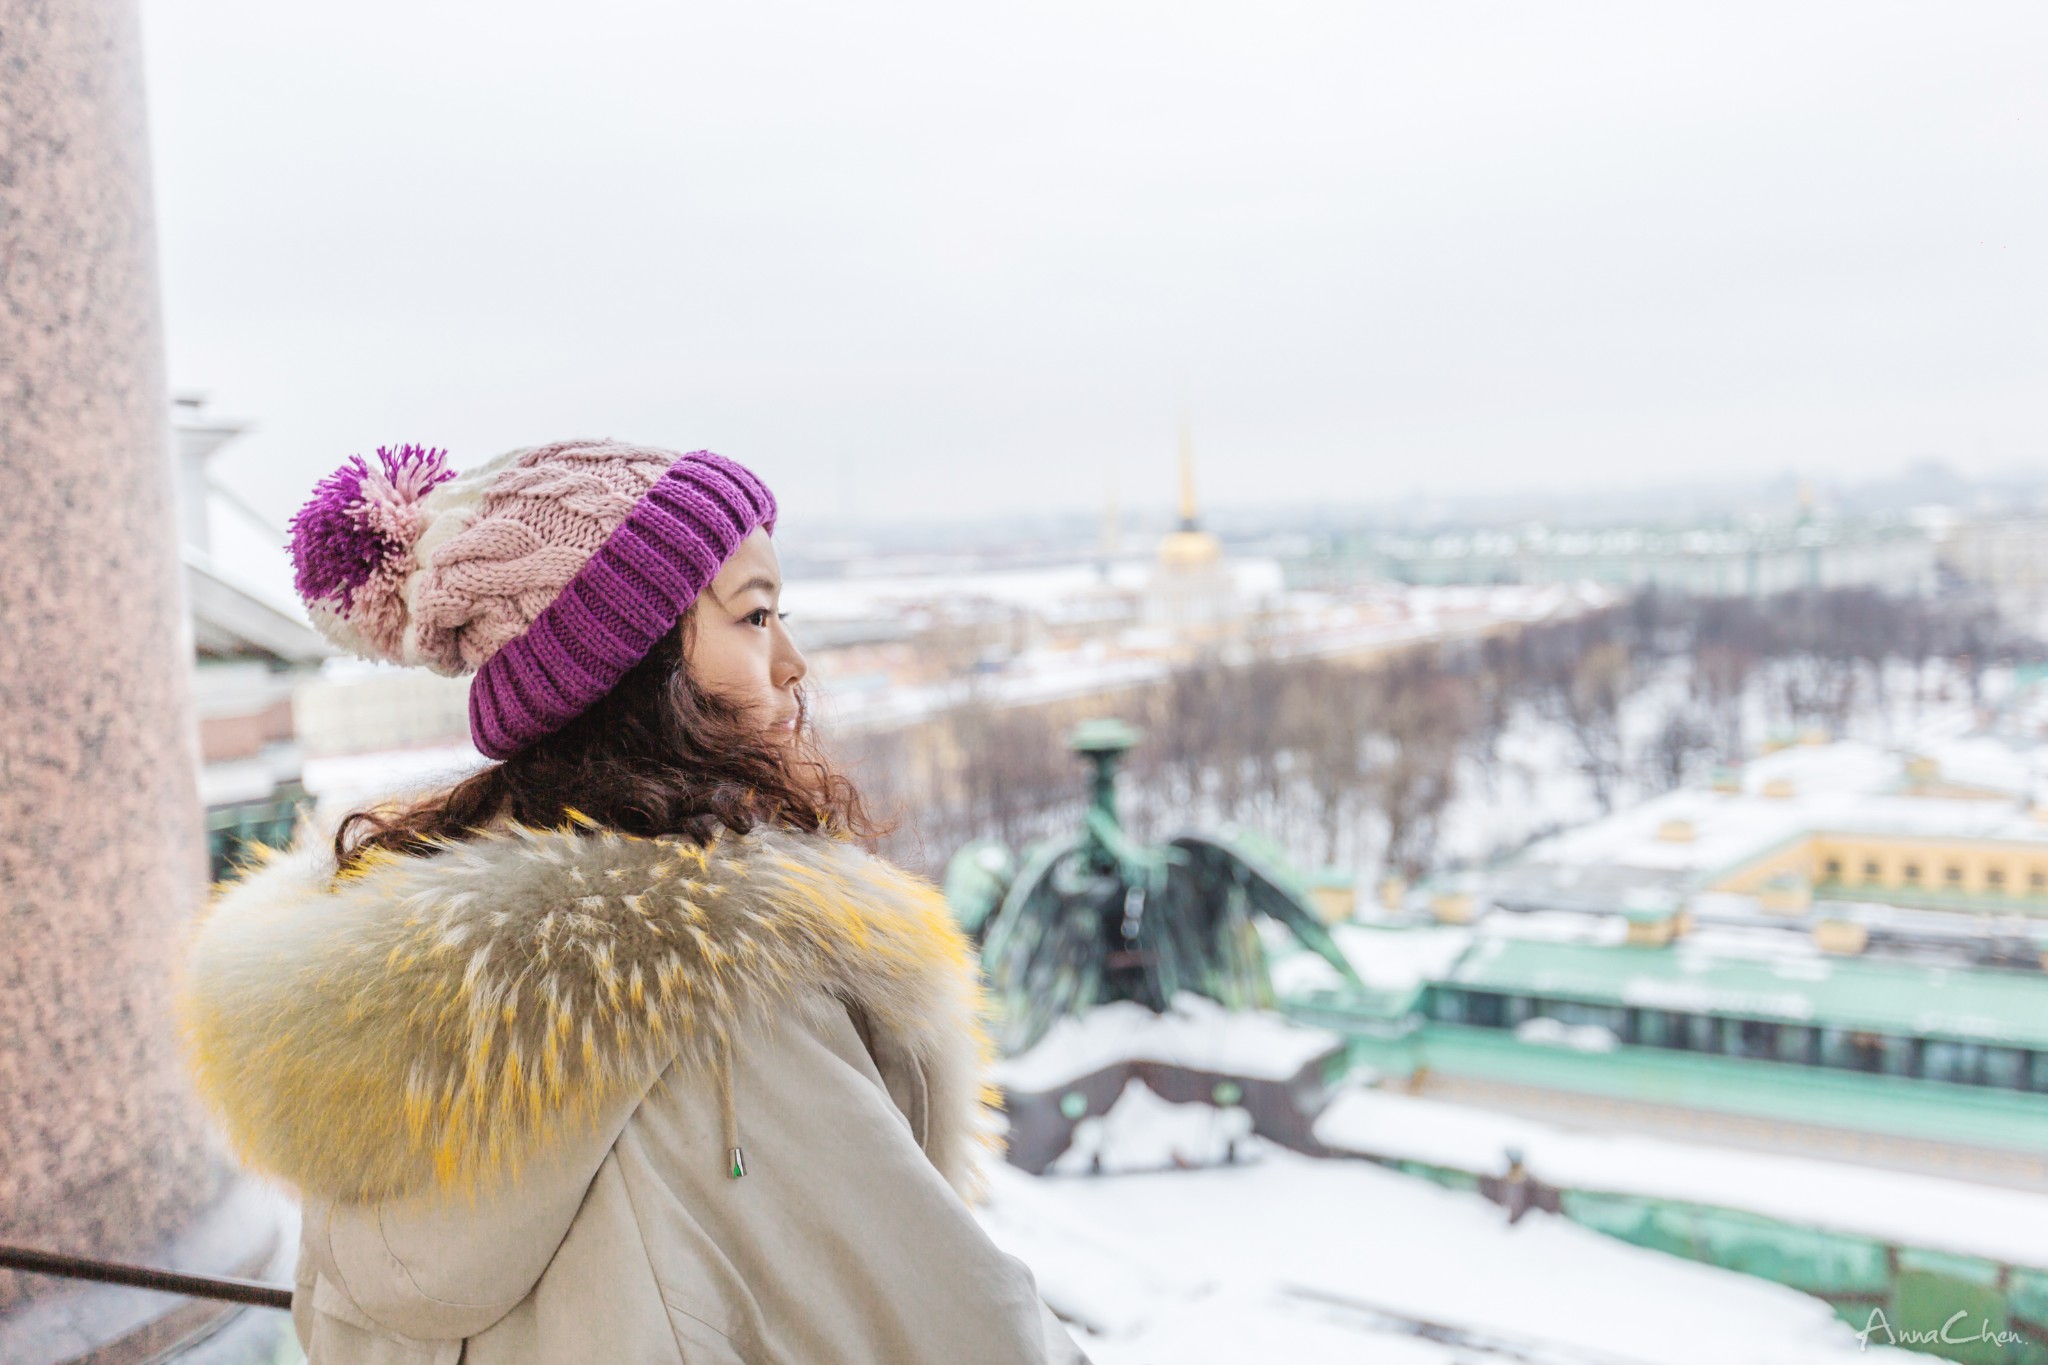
1973	1004
1966	1115
1854	1101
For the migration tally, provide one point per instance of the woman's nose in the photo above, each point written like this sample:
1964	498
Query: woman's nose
791	666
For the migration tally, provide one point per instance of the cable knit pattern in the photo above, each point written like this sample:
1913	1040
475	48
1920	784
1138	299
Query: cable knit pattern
549	572
538	523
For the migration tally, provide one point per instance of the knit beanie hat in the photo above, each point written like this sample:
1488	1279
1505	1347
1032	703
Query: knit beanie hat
548	573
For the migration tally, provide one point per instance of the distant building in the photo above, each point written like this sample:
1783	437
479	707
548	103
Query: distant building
1942	853
251	651
2008	556
1838	950
1894	556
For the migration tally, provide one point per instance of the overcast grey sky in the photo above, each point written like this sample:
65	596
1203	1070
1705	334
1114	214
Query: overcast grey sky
932	258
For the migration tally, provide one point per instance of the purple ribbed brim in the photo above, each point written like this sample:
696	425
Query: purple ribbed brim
624	598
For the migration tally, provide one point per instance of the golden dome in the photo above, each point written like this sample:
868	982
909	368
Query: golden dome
1189	550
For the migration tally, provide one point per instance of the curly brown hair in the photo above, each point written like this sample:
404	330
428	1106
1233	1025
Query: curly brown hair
658	754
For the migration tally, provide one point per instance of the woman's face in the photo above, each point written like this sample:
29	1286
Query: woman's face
735	646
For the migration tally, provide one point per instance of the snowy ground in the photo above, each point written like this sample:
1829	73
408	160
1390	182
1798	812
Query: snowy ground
1316	1262
1196	1243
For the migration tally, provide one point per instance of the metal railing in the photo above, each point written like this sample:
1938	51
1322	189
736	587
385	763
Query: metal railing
224	1288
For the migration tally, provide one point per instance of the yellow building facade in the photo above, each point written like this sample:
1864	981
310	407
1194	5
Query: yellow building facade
1921	870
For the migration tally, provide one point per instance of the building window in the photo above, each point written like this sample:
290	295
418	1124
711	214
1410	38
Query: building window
1795	1044
1834	869
1749	1038
1954	875
1957	1063
1632	1026
1851	1050
1449	1006
1898	1056
1660	1028
1871	869
2038	1080
1912	871
2005	1067
2037	879
1995	877
232	831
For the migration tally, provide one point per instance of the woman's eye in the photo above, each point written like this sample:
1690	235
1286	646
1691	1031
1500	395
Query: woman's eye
759	616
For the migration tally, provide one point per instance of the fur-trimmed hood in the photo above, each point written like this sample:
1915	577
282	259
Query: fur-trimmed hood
423	1023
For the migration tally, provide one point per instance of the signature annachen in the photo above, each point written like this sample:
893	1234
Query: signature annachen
1950	1333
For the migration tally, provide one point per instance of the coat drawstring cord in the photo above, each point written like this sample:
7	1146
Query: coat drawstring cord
736	1160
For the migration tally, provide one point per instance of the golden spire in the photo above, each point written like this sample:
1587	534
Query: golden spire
1190	547
1188	513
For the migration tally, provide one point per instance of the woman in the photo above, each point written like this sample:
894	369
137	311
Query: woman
621	1049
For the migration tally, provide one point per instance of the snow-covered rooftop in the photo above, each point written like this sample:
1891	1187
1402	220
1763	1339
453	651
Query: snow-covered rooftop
1385	959
1678	843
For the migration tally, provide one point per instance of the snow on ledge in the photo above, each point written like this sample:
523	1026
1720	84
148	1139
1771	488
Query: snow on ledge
1197	1033
1143	1132
1577	1037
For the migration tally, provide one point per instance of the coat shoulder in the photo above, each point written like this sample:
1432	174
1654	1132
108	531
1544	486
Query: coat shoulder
432	1023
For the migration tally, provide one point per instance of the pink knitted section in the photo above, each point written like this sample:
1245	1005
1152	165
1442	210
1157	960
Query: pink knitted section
540	521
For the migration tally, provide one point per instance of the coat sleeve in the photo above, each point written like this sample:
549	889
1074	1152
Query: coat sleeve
842	1242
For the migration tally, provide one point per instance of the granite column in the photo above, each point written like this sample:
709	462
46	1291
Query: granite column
102	1150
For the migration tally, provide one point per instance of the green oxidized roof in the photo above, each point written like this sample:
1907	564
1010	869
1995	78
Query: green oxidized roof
1856	1101
1977	1004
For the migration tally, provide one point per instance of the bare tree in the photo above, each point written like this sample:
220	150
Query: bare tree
1679	743
1590	706
1315	751
1425	720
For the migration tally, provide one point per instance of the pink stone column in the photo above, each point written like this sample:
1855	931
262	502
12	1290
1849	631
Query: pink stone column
102	1150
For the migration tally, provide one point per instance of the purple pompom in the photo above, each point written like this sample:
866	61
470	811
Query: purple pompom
360	520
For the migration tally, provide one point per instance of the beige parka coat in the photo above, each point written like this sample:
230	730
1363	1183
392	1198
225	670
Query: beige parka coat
571	1096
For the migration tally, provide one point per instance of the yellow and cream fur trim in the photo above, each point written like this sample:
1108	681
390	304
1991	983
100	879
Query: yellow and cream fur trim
425	1023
